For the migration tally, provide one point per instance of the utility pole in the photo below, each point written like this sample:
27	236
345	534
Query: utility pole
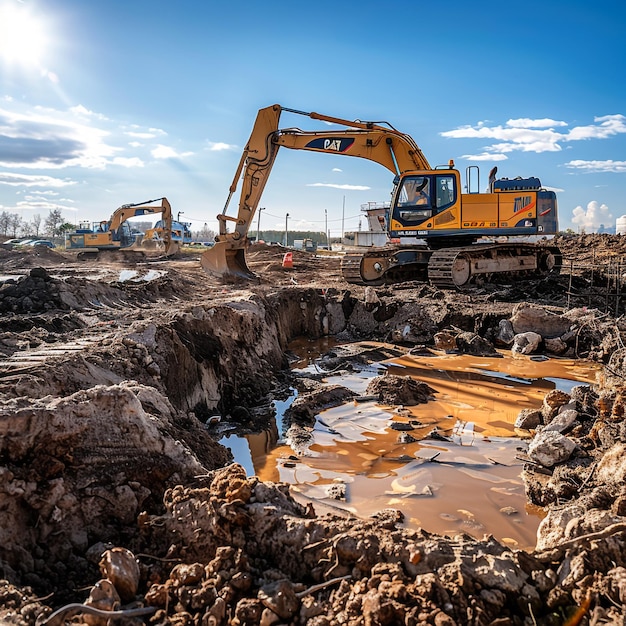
343	217
258	225
326	228
286	229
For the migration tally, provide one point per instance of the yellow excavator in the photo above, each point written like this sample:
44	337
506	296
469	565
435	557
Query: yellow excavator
436	232
116	233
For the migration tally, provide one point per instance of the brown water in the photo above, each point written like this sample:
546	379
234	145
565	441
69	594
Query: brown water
470	482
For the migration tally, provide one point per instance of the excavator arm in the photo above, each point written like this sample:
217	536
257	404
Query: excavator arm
367	140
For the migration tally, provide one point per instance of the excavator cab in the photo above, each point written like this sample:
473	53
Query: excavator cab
420	197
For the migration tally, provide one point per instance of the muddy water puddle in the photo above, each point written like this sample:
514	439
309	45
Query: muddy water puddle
449	465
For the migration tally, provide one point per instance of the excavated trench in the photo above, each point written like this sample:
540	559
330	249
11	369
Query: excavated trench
108	438
450	465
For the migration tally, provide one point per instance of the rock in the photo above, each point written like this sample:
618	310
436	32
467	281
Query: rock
471	343
570	522
570	406
561	422
552	402
529	318
612	468
550	448
505	334
528	418
120	566
551	531
405	390
445	341
336	491
526	343
39	272
497	572
372	301
555	346
280	598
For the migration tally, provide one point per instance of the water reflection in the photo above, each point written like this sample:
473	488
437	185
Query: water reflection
451	468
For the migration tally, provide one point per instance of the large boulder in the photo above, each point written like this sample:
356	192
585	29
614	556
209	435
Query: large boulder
529	318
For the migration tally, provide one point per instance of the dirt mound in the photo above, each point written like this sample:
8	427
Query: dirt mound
109	374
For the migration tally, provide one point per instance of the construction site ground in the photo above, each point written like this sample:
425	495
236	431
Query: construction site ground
116	496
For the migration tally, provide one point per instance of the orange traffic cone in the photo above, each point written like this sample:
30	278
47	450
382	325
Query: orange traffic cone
288	260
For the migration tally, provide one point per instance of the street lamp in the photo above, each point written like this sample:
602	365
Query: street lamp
258	225
179	214
286	229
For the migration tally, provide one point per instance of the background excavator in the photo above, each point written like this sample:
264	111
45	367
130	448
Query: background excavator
438	233
116	233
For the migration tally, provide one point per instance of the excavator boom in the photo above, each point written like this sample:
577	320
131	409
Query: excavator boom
367	140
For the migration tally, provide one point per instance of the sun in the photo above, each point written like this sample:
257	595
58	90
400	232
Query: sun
22	36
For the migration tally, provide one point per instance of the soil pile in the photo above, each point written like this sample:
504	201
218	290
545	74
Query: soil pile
107	380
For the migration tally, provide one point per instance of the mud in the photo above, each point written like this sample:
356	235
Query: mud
107	380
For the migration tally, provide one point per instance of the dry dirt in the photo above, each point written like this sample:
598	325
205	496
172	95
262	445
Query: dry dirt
115	495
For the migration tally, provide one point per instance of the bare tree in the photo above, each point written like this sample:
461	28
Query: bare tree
54	222
36	224
10	223
15	224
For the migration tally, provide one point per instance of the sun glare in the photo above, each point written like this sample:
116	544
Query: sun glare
22	36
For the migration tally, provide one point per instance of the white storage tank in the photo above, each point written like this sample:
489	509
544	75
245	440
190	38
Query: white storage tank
620	225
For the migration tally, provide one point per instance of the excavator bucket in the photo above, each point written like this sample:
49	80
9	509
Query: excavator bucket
224	261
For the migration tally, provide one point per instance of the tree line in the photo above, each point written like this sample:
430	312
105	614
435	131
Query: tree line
13	225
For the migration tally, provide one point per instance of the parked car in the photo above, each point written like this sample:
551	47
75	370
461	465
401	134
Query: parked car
42	242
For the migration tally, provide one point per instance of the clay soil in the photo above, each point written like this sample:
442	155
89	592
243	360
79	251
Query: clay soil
115	496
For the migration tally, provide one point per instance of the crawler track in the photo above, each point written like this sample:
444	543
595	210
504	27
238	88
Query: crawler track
451	268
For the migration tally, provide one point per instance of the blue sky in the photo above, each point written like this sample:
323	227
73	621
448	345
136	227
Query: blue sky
115	102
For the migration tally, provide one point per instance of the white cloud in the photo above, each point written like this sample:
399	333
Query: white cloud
167	152
220	146
79	109
27	180
592	217
539	135
485	156
334	186
40	138
524	122
43	205
128	161
337	169
151	133
598	166
49	139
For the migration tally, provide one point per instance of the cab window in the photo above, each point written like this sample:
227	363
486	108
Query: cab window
415	191
445	191
414	199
